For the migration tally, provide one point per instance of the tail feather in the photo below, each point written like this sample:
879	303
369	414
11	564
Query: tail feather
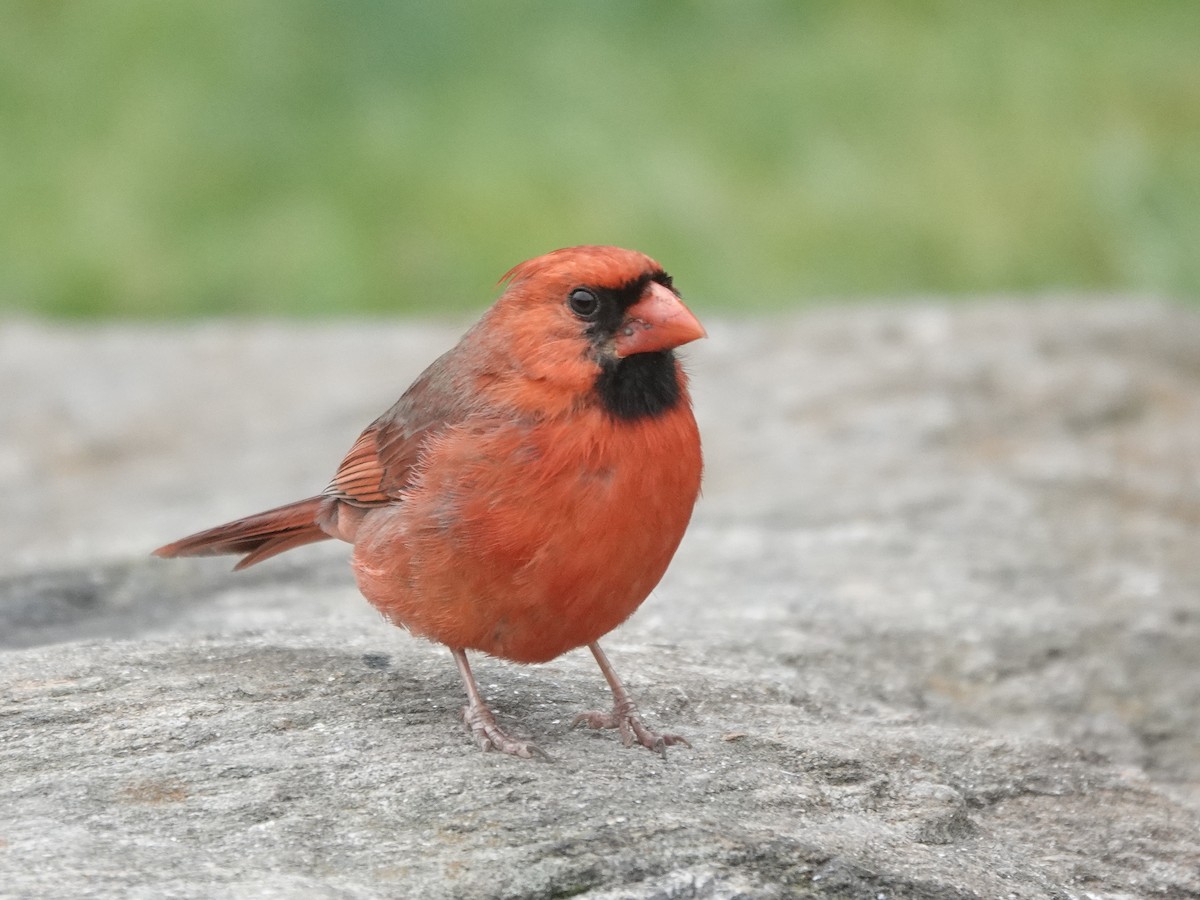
256	537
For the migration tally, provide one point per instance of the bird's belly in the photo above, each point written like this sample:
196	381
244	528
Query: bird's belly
529	567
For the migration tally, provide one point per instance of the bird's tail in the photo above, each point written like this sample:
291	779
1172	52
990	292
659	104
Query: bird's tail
258	537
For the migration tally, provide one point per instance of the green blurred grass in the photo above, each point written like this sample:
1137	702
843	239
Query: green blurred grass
182	158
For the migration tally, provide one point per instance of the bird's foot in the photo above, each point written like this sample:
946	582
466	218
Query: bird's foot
624	717
490	736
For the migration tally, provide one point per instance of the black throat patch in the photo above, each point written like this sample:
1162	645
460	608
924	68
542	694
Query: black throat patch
639	386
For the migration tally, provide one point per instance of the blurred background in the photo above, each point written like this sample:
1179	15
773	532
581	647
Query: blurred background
214	157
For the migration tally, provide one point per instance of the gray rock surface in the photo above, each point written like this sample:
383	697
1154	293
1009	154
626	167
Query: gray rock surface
935	631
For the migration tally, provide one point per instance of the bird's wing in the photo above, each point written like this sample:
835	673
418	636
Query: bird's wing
380	464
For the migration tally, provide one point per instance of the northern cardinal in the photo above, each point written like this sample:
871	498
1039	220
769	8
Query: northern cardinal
527	492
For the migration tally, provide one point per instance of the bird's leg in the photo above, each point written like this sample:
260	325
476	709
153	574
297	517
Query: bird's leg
624	716
488	735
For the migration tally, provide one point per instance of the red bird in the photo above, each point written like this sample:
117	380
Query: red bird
529	489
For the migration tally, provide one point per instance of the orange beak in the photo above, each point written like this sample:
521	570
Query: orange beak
658	321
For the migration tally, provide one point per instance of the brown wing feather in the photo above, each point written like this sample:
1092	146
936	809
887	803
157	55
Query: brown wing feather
379	466
361	476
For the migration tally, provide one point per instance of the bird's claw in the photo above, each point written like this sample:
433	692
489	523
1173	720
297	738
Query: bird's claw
624	717
489	735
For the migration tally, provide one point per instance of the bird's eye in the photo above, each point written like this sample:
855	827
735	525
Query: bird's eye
583	303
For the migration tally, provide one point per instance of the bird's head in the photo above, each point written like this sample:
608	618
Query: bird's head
597	317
